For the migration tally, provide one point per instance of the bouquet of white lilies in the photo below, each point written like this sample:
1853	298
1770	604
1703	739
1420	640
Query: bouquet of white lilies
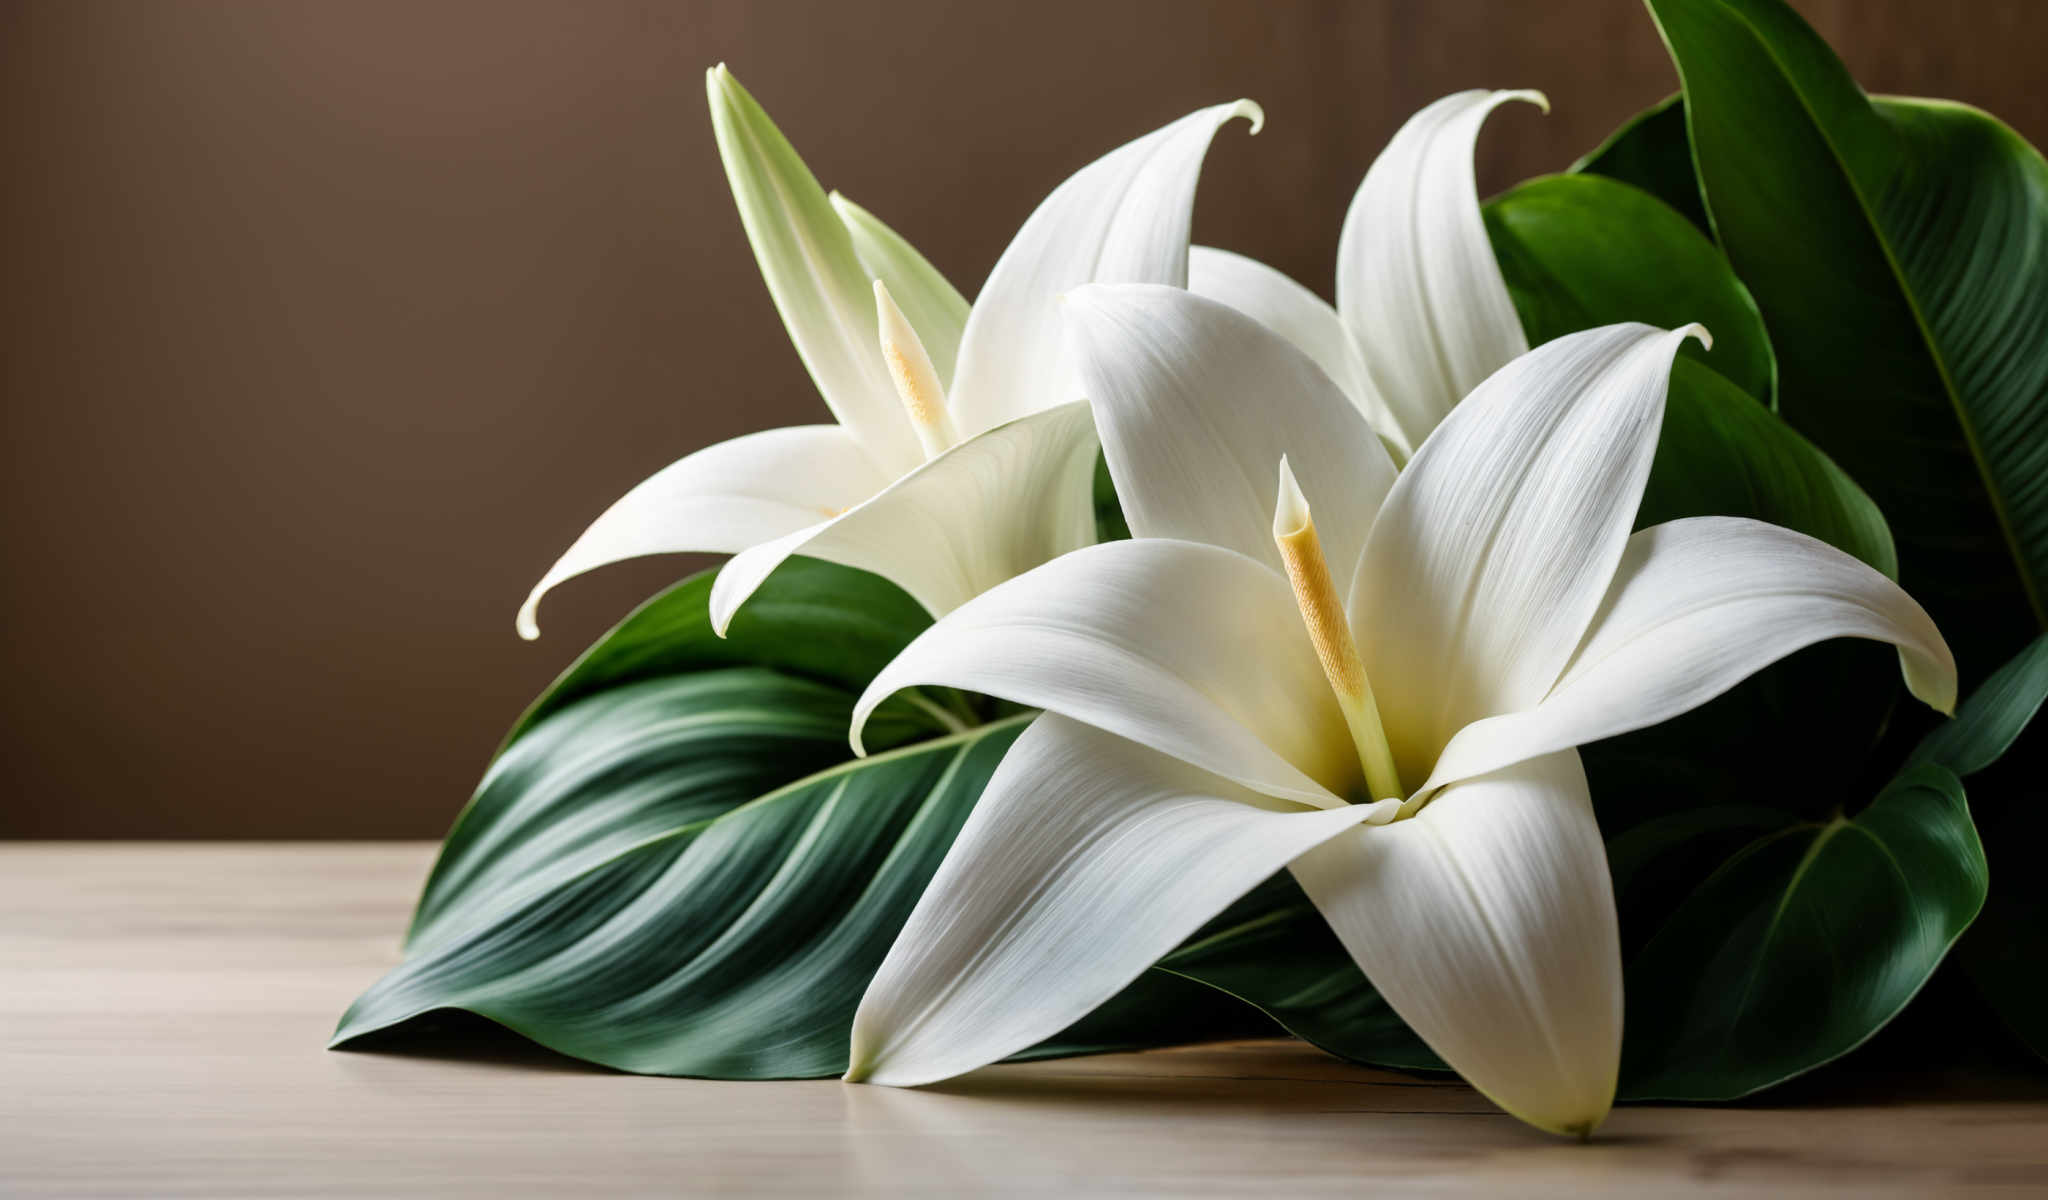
1150	651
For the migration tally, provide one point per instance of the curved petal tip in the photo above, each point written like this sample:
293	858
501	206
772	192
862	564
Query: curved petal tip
1932	680
528	623
1251	111
1530	95
854	733
721	619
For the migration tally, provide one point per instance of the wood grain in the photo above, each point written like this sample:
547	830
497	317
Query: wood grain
163	1008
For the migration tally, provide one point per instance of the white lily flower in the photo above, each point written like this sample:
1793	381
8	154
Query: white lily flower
1423	314
1385	696
943	480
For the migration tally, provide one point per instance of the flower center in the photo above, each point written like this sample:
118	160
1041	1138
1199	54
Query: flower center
917	383
1294	531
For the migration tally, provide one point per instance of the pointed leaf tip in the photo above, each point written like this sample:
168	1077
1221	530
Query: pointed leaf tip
718	83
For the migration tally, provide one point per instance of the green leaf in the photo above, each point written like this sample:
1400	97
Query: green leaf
811	619
1652	152
615	770
1994	716
733	944
1723	454
1858	917
1581	250
1830	926
1899	252
1800	721
1660	862
736	941
795	658
1803	945
2004	951
675	866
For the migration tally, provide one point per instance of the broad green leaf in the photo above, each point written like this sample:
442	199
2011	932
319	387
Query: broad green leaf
1899	252
1831	926
758	709
765	706
616	769
2005	950
1722	454
1582	250
675	866
1858	920
1803	945
735	942
1799	721
1572	250
1651	152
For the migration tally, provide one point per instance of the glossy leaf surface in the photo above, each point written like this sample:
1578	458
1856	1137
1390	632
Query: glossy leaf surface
1899	252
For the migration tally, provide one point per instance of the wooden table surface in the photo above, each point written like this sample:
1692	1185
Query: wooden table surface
163	1009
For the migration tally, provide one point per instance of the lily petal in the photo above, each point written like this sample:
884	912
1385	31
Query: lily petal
1086	859
1123	218
1416	278
1500	537
1487	921
1697	606
1302	317
936	310
1196	403
722	499
808	261
990	508
1192	650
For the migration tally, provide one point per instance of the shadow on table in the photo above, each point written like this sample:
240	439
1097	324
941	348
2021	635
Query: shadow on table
1269	1077
453	1035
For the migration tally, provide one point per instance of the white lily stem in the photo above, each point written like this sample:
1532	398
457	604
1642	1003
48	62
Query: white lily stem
1294	531
917	381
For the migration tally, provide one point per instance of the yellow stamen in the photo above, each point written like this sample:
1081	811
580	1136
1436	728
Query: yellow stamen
917	382
1294	531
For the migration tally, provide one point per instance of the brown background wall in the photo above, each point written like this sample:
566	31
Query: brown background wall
327	326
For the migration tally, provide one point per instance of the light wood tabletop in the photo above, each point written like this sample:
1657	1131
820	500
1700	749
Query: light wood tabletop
163	1010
